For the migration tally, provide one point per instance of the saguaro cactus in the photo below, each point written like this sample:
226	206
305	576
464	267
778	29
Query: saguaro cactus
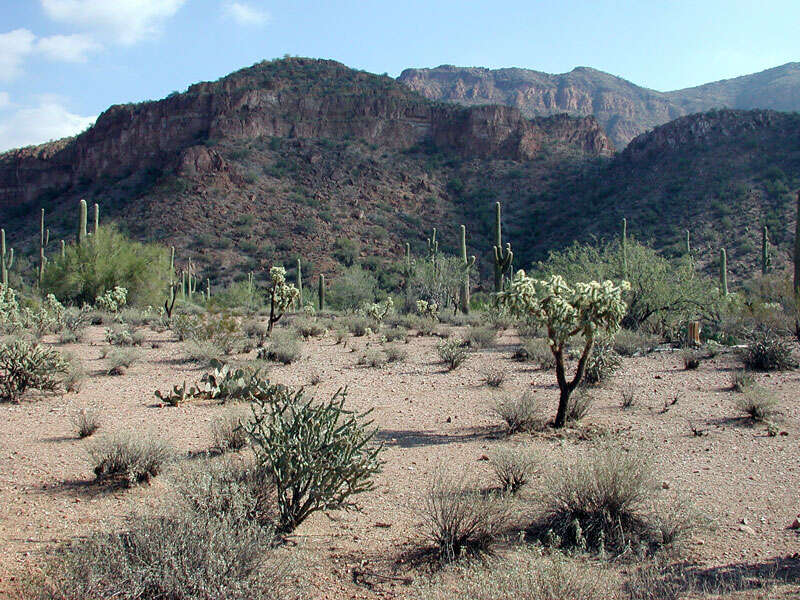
42	243
688	244
82	221
96	217
6	258
766	260
723	272
467	265
321	292
300	283
63	249
502	257
624	246
433	246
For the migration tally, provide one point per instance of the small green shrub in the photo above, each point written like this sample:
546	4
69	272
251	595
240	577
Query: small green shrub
204	352
768	352
395	354
758	403
457	519
392	334
742	380
452	353
373	358
120	359
521	413
602	364
129	458
119	335
480	337
308	327
283	348
318	454
513	467
357	325
25	366
86	422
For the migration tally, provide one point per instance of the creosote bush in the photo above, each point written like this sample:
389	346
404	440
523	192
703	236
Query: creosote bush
767	351
452	353
458	519
521	413
129	458
25	366
757	402
317	454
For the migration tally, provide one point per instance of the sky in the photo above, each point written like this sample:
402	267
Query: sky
63	62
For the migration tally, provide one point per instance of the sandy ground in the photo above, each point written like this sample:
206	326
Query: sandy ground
745	480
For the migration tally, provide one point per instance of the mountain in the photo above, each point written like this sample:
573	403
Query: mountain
624	109
287	158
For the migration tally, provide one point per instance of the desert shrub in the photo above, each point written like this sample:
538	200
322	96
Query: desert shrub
283	347
513	467
663	293
392	334
458	519
76	321
308	327
186	556
601	502
240	294
67	336
340	335
758	403
120	359
357	325
256	331
452	353
204	352
186	326
318	454
603	363
741	380
524	574
352	288
495	377
139	317
579	404
74	375
480	337
630	342
108	259
129	458
521	413
375	358
538	352
25	366
86	422
228	431
434	281
691	359
119	335
768	352
395	354
628	395
34	316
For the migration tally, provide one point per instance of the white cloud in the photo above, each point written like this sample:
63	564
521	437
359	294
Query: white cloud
67	48
123	21
48	120
14	47
245	14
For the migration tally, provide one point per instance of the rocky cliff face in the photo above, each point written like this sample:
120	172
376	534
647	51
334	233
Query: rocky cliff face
623	109
293	98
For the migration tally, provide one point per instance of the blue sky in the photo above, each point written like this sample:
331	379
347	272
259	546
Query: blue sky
62	62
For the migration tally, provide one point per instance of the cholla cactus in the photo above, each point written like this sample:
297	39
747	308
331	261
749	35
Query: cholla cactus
378	310
48	317
309	310
566	311
112	300
428	309
282	295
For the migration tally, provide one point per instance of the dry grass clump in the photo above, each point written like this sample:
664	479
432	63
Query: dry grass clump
86	421
521	413
480	337
524	574
129	458
395	354
602	502
536	351
204	352
758	403
513	467
228	432
283	347
628	395
495	377
580	401
742	380
120	359
458	519
373	358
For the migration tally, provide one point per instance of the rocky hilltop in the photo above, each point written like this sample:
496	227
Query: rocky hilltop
624	109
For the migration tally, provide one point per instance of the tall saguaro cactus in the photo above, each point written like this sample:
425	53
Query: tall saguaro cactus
300	283
321	292
766	260
6	258
723	272
688	247
42	243
82	222
467	264
502	257
624	246
96	218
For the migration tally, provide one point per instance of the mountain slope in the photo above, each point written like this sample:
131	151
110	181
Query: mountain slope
624	109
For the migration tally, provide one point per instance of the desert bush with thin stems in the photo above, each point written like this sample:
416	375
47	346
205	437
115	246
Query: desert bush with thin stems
767	351
634	342
452	353
86	421
25	366
130	458
480	337
395	353
513	467
495	377
283	347
579	404
742	380
120	359
521	413
228	432
758	403
603	363
691	359
374	358
628	395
